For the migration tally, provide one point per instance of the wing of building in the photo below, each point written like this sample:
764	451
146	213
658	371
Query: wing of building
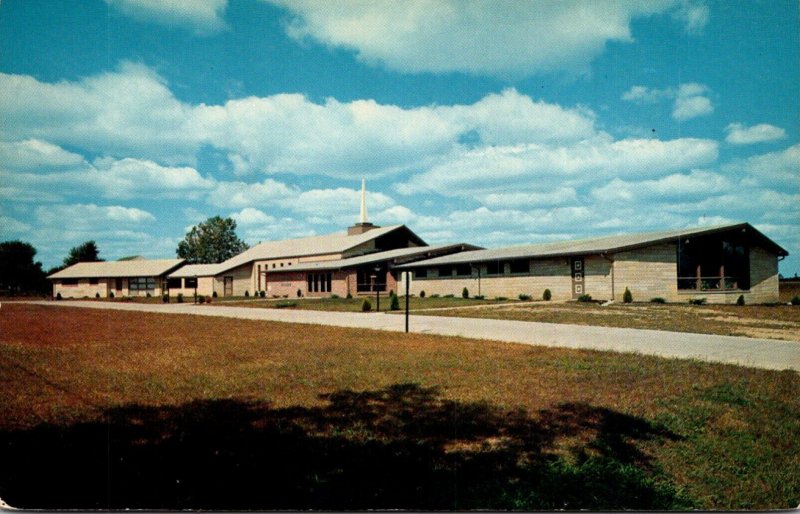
130	277
717	263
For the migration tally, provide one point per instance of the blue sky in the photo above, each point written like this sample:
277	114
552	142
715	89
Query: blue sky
494	123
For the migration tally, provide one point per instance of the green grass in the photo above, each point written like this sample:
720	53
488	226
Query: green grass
107	409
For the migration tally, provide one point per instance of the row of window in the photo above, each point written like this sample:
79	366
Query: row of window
516	266
319	282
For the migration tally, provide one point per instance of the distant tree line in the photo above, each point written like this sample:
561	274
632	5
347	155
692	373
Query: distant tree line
21	274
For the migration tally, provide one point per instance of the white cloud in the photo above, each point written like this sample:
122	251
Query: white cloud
35	154
89	216
204	17
671	188
12	226
739	134
776	169
251	216
693	15
474	36
242	194
690	99
690	102
551	197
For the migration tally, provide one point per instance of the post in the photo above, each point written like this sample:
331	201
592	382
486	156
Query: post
377	300
408	278
195	289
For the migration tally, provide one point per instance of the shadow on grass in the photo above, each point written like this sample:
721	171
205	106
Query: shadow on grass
399	447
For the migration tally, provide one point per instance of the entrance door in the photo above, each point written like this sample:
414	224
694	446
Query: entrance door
228	286
578	275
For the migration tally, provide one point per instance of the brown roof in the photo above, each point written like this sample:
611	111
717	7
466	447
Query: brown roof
137	268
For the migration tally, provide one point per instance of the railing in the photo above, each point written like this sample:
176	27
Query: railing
708	283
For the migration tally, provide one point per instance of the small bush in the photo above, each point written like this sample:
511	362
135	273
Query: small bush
97	295
111	294
627	296
349	296
394	303
200	299
465	293
422	294
657	299
479	297
149	295
286	296
445	296
391	293
335	296
208	299
180	297
501	298
366	305
263	294
524	297
740	300
285	305
165	298
214	294
796	300
547	295
697	301
437	296
299	293
246	293
585	298
58	296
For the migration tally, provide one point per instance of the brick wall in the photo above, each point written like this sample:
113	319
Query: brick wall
648	272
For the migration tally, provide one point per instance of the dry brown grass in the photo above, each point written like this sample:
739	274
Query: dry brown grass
67	365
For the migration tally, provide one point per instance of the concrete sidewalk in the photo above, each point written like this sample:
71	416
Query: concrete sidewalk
757	353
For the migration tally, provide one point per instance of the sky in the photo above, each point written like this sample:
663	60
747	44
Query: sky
488	122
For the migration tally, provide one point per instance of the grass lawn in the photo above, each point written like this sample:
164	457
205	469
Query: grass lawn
112	409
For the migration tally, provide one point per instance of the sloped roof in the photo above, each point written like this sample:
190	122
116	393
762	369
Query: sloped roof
195	270
608	244
137	268
400	254
305	246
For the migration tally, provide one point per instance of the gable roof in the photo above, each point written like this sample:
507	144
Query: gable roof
600	245
307	246
195	270
398	255
136	268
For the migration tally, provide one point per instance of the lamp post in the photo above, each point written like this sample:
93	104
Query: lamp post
408	278
377	289
195	289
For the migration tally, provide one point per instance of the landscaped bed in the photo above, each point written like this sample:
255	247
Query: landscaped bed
126	409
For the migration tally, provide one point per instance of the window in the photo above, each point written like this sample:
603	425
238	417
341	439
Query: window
173	283
463	270
714	263
142	284
190	282
521	266
93	281
445	271
494	268
319	282
69	282
421	273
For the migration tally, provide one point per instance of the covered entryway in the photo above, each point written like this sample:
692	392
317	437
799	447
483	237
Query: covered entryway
228	291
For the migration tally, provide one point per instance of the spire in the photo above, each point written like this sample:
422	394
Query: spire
363	218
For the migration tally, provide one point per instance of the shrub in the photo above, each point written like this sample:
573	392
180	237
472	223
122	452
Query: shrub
547	295
149	295
286	296
299	293
657	299
366	305
501	298
740	300
263	294
214	294
335	296
180	297
246	293
391	293
97	295
200	299
58	296
436	296
394	303
165	298
111	294
422	294
585	298
524	297
627	296
208	299
349	296
445	296
697	301
285	305
465	293
796	300
479	297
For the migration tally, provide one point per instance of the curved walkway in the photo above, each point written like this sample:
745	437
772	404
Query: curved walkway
757	353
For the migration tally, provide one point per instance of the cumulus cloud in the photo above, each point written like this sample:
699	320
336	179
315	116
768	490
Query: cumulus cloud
693	15
242	194
738	134
35	154
205	17
675	187
474	36
775	169
690	100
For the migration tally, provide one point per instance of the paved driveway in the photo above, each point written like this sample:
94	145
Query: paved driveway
758	353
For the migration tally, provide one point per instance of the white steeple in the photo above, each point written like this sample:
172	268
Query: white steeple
363	218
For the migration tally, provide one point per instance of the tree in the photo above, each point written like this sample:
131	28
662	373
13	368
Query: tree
211	242
86	252
18	271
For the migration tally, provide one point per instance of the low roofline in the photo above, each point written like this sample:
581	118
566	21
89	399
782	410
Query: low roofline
170	265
